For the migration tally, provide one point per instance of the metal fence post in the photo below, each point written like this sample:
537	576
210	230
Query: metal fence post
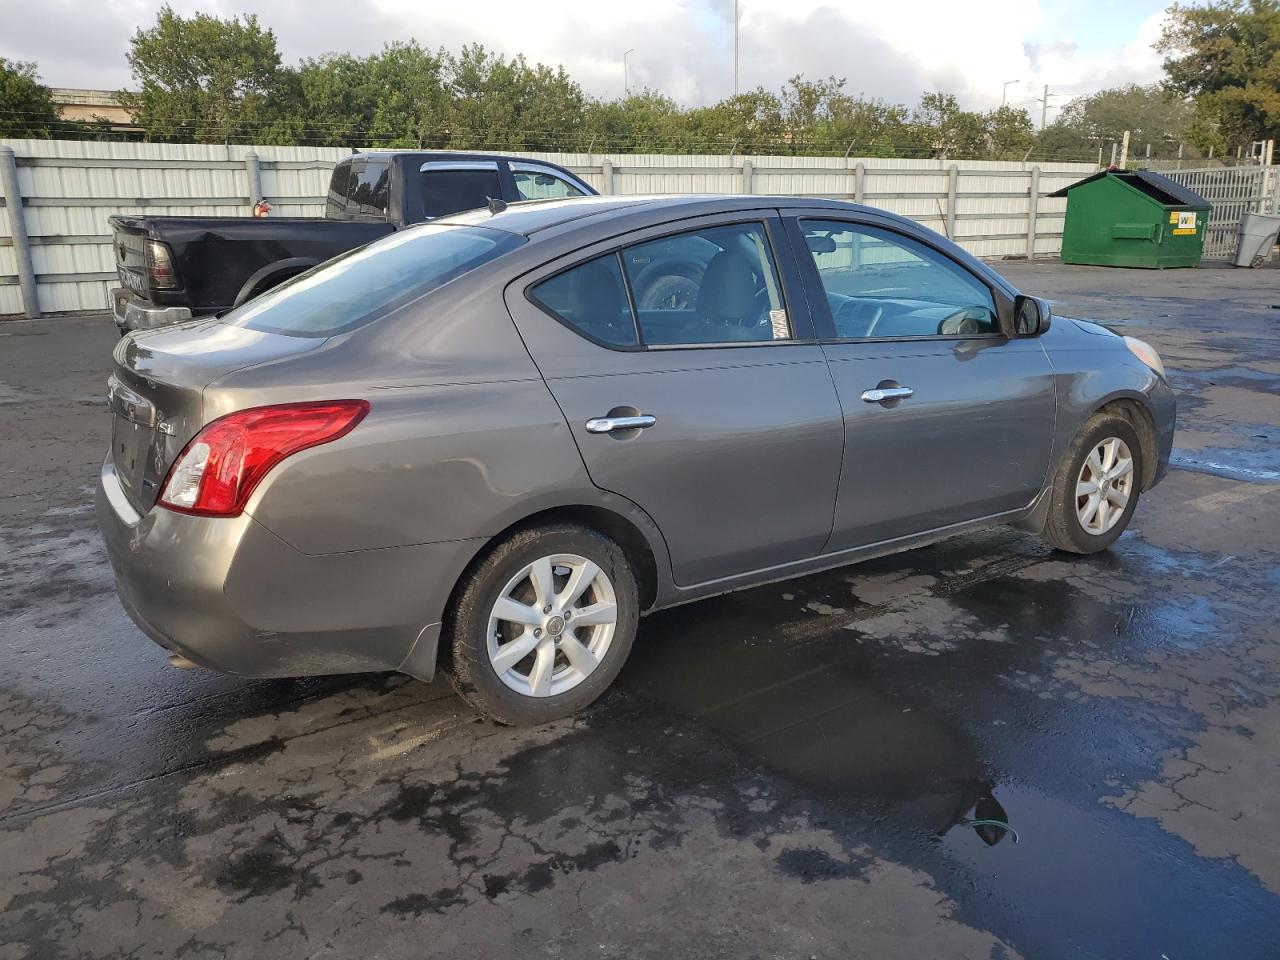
1033	202
606	175
746	176
254	170
18	230
953	187
860	183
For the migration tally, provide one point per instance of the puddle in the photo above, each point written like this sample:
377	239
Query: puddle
1250	466
905	751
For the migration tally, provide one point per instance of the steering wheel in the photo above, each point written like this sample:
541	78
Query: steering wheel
856	311
960	323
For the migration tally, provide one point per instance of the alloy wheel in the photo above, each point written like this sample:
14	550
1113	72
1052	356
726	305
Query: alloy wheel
1104	486
552	625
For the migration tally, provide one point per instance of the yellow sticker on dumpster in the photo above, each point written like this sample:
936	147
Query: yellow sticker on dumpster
1186	221
1173	216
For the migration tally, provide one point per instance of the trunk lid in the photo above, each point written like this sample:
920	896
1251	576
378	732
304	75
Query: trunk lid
155	392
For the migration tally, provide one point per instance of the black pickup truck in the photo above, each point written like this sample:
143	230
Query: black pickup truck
175	268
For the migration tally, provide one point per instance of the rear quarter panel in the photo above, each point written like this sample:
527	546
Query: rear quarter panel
463	438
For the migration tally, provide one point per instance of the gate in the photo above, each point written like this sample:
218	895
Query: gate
1233	192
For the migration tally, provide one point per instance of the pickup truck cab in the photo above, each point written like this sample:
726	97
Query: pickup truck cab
176	268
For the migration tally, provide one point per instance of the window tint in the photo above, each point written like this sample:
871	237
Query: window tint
365	283
533	183
335	207
883	284
591	298
371	190
446	191
716	285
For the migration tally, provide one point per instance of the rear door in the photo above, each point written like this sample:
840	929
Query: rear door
718	417
946	419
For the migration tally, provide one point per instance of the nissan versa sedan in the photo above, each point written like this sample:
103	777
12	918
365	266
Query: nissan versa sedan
487	446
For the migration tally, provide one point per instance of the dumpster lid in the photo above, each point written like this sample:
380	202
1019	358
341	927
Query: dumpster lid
1159	188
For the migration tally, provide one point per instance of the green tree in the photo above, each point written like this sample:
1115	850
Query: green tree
501	103
1226	56
753	121
26	106
1151	114
947	130
202	78
645	122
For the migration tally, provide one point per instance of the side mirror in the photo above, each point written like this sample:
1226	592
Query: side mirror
1030	316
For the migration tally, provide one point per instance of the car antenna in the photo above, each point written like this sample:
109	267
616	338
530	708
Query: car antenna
495	205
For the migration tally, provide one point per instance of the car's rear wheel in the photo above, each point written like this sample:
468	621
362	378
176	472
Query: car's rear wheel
543	624
1096	488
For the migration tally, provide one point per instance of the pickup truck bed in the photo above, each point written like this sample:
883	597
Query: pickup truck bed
175	268
220	261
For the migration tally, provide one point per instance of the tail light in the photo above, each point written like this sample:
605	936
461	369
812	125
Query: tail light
160	266
218	470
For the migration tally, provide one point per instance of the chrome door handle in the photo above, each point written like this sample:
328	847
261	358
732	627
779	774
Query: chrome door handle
610	424
881	394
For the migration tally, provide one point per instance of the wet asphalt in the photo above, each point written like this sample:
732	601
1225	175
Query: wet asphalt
791	771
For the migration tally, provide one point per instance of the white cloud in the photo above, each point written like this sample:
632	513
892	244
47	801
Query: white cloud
682	47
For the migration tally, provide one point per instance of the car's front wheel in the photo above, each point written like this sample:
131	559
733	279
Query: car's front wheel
1096	488
543	624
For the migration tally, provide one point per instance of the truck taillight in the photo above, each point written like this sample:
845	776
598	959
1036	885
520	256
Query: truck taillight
160	266
219	469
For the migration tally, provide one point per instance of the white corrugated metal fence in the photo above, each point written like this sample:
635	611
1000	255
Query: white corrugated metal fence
69	188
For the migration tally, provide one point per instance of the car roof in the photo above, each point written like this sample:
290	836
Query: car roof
534	216
427	155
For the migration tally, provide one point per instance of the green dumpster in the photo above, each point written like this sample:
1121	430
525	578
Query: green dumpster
1133	218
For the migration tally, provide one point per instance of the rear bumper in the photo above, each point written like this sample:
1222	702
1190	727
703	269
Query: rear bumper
131	312
230	595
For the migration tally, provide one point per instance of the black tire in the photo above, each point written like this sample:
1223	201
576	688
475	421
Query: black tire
467	623
1063	528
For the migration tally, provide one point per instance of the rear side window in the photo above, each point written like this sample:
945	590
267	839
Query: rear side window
340	184
591	298
363	284
447	190
371	191
712	287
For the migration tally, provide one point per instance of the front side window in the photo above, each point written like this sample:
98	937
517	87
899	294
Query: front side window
450	189
363	284
716	285
882	285
537	183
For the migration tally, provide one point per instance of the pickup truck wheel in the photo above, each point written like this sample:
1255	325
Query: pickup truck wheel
1096	488
543	624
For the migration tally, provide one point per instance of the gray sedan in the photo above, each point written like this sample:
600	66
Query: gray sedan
490	445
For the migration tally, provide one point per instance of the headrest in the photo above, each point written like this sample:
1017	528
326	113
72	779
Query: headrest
728	290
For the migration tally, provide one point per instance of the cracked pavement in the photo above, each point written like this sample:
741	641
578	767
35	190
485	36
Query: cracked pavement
784	772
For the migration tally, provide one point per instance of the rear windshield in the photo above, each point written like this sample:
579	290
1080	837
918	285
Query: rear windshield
363	284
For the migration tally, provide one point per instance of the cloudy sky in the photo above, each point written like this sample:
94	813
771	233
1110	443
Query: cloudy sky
892	49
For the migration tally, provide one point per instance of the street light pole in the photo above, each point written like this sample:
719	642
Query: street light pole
1004	91
735	47
626	83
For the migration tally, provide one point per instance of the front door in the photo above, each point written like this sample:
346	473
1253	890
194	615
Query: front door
694	388
946	419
